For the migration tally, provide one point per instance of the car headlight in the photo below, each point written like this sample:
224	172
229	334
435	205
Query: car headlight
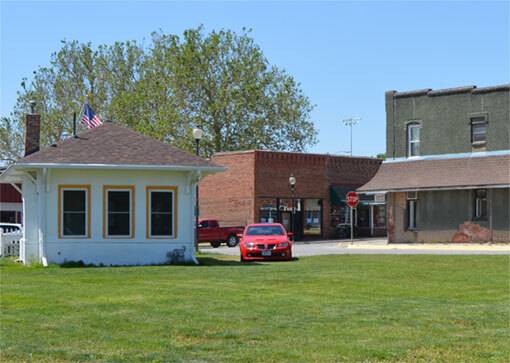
249	244
283	244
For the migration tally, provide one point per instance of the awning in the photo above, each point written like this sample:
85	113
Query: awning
452	173
337	195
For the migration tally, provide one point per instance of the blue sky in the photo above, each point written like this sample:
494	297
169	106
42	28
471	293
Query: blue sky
344	54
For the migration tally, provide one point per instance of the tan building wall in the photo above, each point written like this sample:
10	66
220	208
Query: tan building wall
459	229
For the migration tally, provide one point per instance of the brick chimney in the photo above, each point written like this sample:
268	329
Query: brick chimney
32	130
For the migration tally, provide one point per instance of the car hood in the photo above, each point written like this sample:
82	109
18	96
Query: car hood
265	239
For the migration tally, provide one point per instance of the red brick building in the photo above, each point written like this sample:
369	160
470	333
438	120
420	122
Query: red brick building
255	188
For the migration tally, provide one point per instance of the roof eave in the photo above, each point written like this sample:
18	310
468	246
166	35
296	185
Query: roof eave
433	188
206	169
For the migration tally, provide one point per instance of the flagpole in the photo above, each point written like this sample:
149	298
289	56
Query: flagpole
74	125
80	112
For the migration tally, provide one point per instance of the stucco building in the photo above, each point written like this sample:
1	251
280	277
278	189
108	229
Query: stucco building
106	196
255	188
447	176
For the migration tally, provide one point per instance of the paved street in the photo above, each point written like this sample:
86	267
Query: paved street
377	246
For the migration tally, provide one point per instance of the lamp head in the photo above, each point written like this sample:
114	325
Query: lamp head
198	134
292	180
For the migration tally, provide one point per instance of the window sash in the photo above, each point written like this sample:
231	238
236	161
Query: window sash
66	216
479	132
413	140
481	204
112	214
411	214
167	215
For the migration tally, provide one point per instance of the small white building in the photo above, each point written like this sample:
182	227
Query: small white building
107	196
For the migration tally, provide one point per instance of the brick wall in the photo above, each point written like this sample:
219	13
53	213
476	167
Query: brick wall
229	196
235	196
314	174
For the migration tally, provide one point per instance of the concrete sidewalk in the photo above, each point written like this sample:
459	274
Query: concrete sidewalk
428	246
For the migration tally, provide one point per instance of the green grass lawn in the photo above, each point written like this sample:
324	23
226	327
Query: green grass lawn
317	309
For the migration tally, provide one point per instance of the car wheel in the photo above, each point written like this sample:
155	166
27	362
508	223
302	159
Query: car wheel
232	241
216	244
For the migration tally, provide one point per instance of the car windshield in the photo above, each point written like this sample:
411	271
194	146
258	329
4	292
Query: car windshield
265	231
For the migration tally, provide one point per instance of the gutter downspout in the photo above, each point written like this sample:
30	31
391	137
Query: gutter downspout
41	191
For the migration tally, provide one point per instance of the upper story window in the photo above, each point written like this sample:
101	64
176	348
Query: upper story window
118	211
74	206
413	139
478	131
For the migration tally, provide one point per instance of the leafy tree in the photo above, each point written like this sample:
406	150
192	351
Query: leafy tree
381	156
220	82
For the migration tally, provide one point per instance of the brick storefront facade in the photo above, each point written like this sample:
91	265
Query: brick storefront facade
256	183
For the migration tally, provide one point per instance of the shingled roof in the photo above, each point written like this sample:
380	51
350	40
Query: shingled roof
486	171
111	144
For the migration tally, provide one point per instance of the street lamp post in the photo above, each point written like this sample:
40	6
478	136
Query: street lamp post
292	185
197	135
350	122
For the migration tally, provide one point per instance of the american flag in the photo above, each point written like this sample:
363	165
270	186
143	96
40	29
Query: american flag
90	118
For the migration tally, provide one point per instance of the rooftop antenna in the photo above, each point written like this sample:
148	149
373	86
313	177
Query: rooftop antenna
350	122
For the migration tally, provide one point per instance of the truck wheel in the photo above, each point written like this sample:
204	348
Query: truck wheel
216	244
232	241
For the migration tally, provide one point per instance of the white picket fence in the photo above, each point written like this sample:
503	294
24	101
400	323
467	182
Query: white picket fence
11	244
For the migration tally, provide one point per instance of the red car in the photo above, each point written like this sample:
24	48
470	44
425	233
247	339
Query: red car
265	241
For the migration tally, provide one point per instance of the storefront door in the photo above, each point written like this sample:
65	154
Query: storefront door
286	218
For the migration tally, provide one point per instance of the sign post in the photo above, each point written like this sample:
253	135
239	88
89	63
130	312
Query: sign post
352	202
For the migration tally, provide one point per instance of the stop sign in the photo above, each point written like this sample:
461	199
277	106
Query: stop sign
352	199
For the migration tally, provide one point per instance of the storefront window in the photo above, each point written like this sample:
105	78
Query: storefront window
268	212
285	205
312	209
286	214
379	216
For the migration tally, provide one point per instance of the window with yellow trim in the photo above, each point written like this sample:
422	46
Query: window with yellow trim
119	212
161	213
74	215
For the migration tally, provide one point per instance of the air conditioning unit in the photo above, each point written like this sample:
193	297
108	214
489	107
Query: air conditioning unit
412	195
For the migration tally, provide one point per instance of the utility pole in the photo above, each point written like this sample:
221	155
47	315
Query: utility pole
350	122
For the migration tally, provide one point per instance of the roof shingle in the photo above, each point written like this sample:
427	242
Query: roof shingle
111	144
439	174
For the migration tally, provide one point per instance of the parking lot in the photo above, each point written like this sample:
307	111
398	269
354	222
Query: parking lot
377	246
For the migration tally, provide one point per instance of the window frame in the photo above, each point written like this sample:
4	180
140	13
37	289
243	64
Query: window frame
409	126
60	217
411	199
477	206
119	188
148	211
475	120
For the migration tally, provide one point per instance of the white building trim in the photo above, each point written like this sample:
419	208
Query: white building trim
478	154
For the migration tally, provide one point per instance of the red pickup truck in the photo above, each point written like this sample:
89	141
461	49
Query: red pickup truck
209	230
